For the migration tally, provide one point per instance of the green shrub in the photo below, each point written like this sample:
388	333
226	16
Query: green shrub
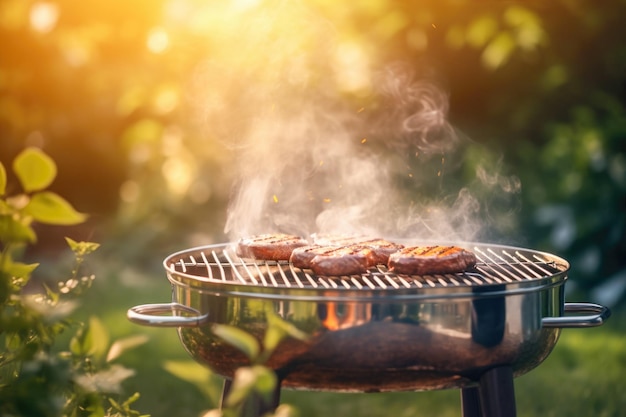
38	377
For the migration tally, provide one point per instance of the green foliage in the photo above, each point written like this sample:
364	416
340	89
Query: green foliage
250	383
35	171
577	189
38	377
511	69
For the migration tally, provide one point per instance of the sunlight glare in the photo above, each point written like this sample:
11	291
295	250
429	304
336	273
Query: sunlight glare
352	66
179	174
166	99
243	5
158	40
43	16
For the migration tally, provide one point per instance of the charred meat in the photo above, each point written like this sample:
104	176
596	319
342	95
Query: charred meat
270	247
381	248
351	260
426	260
301	257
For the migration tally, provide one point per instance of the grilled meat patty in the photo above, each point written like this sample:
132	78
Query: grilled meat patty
335	255
381	248
425	260
349	260
270	247
301	257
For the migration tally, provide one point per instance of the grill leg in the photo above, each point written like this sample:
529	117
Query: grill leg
225	391
470	402
497	392
254	406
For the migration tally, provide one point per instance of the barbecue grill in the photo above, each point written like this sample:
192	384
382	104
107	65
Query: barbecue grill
379	331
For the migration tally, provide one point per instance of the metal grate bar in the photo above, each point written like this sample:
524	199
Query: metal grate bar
209	270
236	272
369	283
494	267
219	265
356	283
309	279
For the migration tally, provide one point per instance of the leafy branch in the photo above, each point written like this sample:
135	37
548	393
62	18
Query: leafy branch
37	376
251	384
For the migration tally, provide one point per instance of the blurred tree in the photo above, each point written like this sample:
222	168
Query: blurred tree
138	98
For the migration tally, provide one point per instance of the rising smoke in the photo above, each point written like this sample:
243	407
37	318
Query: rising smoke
311	157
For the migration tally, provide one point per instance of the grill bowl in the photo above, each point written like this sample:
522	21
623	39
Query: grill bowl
378	331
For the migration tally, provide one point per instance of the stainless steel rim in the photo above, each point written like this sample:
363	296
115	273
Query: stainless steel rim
502	270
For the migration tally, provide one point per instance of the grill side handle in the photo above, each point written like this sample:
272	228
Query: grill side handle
166	315
579	318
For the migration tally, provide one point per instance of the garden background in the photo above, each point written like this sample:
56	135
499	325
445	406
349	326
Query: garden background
143	106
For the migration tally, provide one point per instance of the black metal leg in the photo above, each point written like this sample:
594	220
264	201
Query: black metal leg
470	402
225	391
497	393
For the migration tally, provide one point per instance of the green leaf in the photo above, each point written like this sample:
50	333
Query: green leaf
238	338
201	377
277	330
189	371
132	399
50	208
14	231
13	342
34	169
81	344
82	248
16	269
273	336
256	379
266	381
242	386
94	407
3	179
99	336
122	345
91	340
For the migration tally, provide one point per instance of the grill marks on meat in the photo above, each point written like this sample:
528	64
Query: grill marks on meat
333	260
349	260
333	255
302	257
381	248
271	247
426	260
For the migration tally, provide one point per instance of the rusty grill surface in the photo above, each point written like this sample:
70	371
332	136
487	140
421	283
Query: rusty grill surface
496	265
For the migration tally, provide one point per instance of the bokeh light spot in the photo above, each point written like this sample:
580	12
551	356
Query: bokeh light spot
158	40
43	16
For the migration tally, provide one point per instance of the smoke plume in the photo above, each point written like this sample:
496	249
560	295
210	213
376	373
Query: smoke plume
309	156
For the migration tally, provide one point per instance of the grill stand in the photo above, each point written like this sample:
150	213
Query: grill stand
493	397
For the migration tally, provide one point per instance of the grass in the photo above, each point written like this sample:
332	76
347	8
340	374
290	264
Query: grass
584	376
